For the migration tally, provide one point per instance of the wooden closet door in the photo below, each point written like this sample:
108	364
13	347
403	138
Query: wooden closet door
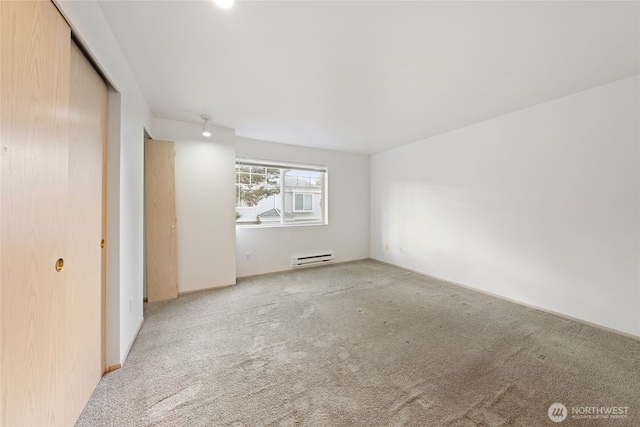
160	213
34	99
87	137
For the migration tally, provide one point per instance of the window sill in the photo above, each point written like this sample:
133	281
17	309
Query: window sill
279	225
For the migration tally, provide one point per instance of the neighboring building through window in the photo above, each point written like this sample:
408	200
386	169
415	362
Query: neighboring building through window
274	193
302	202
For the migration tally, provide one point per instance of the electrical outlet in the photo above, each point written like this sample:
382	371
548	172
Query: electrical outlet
130	302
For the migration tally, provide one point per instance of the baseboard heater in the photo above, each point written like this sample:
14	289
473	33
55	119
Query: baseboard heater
308	260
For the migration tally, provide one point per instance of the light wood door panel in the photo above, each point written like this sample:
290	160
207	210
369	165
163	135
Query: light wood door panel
87	135
53	123
34	99
160	213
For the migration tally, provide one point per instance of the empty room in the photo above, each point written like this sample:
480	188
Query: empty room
319	213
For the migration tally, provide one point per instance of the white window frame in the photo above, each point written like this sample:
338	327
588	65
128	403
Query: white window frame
291	166
302	194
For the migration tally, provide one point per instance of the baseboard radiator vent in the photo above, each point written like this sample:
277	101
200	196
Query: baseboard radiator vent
309	260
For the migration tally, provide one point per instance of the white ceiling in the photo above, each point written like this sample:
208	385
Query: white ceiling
365	76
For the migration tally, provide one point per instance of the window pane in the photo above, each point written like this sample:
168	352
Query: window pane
269	195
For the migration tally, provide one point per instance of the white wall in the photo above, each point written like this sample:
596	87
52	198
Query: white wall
126	180
205	200
540	206
347	233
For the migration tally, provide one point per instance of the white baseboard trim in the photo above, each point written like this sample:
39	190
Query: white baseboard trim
193	291
328	264
126	353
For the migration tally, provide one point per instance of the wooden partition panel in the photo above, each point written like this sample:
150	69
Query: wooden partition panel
160	213
34	99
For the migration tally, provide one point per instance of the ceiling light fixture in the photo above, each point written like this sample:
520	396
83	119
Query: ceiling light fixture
224	3
206	127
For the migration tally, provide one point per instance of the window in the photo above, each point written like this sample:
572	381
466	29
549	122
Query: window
274	193
302	202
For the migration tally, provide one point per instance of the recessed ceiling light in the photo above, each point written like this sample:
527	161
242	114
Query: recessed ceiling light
224	3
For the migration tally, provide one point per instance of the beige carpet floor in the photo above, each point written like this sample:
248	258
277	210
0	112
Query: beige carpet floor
363	344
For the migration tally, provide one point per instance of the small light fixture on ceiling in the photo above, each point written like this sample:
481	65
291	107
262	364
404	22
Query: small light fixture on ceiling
206	127
224	3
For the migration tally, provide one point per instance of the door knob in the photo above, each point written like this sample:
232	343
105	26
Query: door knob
59	265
